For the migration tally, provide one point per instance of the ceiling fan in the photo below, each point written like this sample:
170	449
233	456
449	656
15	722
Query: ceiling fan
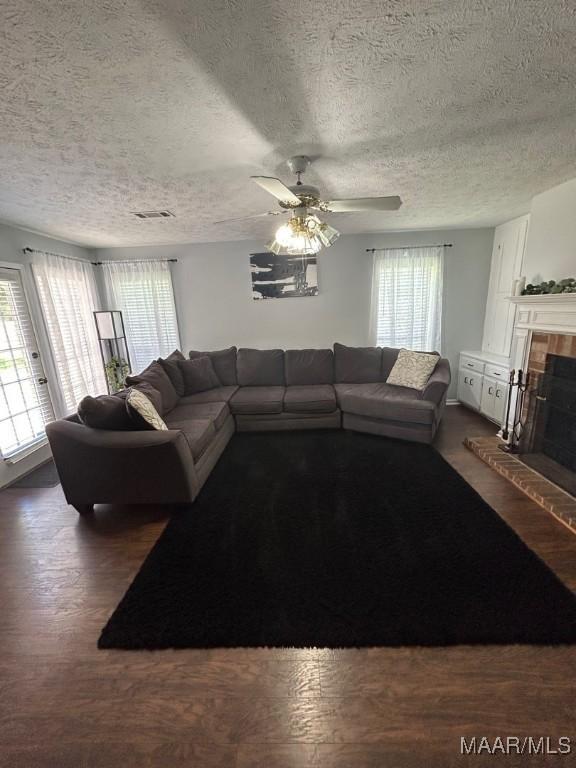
304	233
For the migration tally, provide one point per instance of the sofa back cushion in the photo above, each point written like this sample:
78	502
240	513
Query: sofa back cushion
389	357
172	370
357	365
260	367
199	375
309	366
224	362
104	412
157	378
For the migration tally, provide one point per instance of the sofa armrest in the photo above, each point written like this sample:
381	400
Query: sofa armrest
437	387
129	467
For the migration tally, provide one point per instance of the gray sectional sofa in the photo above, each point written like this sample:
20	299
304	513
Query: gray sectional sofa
109	461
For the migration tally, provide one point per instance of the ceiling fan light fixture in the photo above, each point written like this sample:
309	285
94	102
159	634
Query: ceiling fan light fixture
302	235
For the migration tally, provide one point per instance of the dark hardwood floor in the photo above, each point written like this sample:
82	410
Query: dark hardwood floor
65	704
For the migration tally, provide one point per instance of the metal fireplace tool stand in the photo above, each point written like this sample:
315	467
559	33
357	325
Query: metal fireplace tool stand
518	382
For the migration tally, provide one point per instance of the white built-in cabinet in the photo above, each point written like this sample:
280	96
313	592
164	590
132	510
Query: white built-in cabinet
483	375
483	383
505	271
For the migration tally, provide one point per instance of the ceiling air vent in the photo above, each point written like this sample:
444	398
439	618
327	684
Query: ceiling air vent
153	214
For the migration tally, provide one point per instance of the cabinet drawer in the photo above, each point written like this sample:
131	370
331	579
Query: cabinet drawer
497	372
471	364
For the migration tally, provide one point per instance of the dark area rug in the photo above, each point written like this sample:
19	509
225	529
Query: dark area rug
337	539
44	476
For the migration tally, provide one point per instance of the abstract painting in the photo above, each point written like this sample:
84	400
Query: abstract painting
282	277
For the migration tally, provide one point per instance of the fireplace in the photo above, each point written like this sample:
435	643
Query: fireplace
548	442
544	346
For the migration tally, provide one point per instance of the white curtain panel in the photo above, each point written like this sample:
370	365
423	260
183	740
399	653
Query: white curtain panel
143	292
68	297
407	298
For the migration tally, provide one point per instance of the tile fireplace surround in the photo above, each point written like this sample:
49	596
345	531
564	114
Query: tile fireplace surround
545	326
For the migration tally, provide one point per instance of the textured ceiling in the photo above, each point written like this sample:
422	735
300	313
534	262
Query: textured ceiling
465	108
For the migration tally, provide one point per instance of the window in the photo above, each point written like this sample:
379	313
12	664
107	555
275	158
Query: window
143	291
407	298
68	297
25	405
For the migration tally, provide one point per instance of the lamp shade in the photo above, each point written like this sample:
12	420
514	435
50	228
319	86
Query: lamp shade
109	324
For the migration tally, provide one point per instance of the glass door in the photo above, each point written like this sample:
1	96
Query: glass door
25	405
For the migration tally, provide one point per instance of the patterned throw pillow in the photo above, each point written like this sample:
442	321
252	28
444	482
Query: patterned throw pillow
142	412
412	369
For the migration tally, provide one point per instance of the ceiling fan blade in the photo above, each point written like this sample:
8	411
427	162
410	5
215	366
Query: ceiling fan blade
246	218
359	204
276	188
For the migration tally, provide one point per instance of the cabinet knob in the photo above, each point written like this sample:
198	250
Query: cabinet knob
490	390
497	393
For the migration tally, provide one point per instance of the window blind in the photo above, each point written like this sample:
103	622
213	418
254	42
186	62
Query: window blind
25	405
143	291
68	297
407	298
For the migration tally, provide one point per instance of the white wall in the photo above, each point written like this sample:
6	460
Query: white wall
12	241
216	309
551	244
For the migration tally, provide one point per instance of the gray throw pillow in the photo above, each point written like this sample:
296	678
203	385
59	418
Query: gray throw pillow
172	370
152	394
104	412
224	362
199	375
156	376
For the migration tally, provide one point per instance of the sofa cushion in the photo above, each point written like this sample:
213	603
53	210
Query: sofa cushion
104	412
257	400
199	433
142	412
172	370
389	357
384	401
357	365
217	413
218	395
260	367
199	375
412	369
310	398
157	377
309	366
224	362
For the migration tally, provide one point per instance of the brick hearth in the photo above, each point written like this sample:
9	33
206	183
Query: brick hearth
552	498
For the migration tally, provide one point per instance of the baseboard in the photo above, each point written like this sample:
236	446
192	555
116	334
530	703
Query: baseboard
452	402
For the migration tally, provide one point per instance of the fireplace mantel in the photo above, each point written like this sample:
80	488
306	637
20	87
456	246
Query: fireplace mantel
555	313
